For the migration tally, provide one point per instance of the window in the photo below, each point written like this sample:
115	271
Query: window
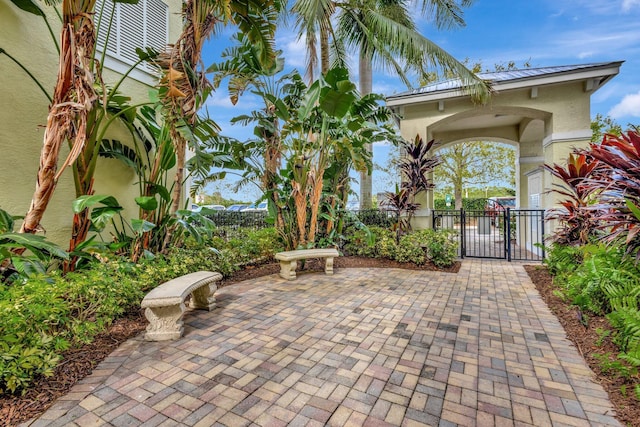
145	24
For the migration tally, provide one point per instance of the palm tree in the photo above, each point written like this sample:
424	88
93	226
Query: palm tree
184	86
384	34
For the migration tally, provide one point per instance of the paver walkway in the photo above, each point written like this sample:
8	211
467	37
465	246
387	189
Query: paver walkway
363	347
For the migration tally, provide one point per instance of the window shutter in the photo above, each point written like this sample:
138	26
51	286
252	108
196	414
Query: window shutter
102	21
140	25
131	34
157	35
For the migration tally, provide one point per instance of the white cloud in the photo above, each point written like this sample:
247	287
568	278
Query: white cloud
219	99
294	49
627	5
629	106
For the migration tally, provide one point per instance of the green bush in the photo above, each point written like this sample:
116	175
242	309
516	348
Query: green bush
32	332
562	259
370	242
438	246
361	242
43	315
606	281
442	247
386	246
410	249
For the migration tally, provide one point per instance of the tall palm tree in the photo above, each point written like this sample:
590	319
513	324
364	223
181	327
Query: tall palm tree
184	86
184	82
383	34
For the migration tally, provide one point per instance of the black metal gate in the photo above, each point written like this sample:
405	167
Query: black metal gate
511	234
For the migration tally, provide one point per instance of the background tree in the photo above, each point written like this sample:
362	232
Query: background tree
604	124
476	163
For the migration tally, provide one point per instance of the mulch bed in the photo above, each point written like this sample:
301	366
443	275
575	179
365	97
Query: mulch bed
80	362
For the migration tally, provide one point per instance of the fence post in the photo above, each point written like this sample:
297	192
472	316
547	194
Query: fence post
542	234
507	236
463	234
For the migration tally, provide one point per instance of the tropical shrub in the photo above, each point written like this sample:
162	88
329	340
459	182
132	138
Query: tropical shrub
410	249
415	166
46	314
386	246
577	219
562	260
619	185
361	242
602	267
442	246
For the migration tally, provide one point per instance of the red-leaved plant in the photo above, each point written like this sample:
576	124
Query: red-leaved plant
619	185
577	218
415	166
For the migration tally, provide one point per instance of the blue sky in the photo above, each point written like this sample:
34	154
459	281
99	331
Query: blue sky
543	33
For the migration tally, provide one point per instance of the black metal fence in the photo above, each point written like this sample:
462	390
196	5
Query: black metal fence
233	219
371	217
511	234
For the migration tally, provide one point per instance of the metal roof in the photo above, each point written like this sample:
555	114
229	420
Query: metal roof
511	76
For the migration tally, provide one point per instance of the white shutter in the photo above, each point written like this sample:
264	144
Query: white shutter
102	22
131	32
157	24
145	24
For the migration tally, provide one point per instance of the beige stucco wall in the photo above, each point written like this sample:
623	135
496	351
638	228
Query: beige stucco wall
23	114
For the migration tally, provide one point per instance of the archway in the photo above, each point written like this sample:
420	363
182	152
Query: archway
545	111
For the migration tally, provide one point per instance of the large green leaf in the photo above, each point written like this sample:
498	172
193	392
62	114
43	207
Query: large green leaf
337	101
32	242
148	203
84	202
100	216
6	222
141	226
28	6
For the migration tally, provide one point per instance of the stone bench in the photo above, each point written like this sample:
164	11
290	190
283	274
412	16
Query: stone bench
164	305
288	260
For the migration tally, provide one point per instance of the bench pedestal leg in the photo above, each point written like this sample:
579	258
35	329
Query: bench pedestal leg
328	267
203	298
288	269
165	323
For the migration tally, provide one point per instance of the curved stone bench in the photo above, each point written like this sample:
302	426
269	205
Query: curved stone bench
164	305
288	260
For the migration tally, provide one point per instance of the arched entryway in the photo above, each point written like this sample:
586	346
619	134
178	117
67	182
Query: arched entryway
545	112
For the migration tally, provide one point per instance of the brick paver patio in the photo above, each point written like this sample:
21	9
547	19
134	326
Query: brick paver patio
369	347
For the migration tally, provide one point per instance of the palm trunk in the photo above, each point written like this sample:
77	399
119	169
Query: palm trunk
324	51
316	195
366	86
73	99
